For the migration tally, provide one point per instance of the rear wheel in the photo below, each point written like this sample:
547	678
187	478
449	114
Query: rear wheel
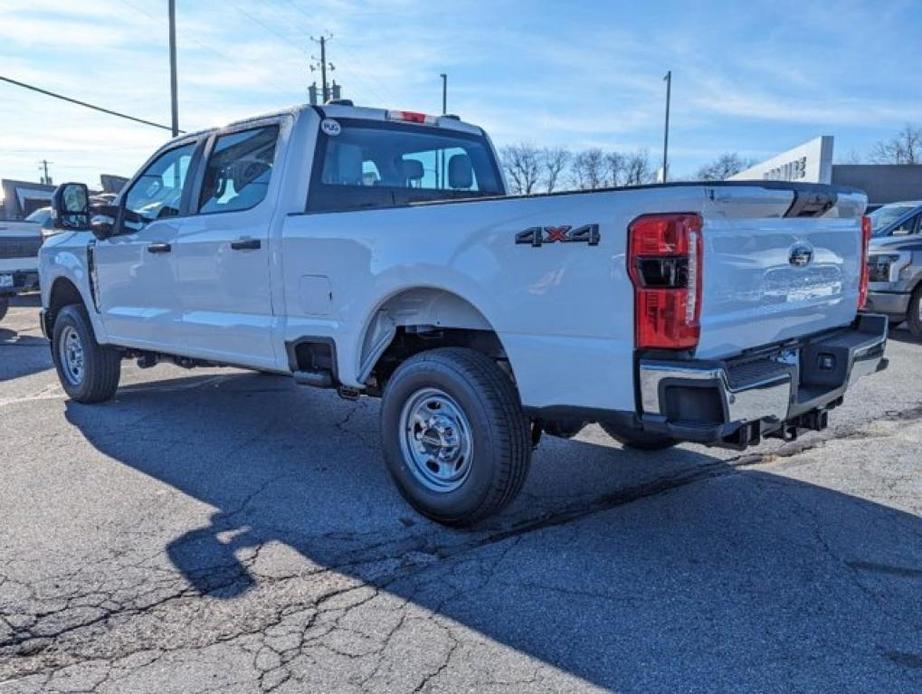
4	306
89	372
914	316
637	438
454	435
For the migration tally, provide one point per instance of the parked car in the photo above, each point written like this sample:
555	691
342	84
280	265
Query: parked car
895	264
19	244
375	252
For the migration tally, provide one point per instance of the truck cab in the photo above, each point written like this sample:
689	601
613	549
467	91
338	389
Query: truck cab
375	252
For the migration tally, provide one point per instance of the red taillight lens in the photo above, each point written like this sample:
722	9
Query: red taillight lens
865	269
664	263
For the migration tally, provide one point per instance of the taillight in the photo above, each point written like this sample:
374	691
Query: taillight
664	262
865	269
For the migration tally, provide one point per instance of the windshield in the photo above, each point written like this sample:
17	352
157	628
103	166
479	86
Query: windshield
371	164
883	217
40	216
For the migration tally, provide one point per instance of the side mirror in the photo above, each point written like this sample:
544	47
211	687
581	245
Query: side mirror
70	207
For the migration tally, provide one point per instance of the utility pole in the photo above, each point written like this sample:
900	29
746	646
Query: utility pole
444	93
173	90
326	91
43	166
668	80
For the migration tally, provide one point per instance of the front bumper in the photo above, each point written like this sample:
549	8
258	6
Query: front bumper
776	391
890	303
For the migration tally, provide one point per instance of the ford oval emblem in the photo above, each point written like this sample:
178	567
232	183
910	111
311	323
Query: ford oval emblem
801	254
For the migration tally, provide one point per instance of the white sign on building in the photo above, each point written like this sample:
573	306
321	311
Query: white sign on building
810	162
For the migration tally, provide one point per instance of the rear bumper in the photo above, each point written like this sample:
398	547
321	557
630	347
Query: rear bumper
772	392
22	281
890	303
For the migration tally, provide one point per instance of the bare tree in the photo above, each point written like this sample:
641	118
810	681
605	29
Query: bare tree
522	163
723	167
852	157
554	161
637	169
588	170
615	168
904	148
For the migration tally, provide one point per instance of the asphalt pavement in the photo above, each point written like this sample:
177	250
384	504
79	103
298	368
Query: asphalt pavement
216	530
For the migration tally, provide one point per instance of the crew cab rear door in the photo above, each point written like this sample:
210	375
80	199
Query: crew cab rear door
223	248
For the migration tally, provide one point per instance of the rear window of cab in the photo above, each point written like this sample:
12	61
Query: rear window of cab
362	165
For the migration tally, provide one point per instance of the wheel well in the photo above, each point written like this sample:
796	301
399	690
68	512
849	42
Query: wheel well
410	340
63	293
419	319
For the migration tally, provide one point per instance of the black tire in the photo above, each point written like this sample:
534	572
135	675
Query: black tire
914	315
637	438
498	442
4	306
97	378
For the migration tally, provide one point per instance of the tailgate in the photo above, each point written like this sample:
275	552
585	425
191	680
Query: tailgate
778	263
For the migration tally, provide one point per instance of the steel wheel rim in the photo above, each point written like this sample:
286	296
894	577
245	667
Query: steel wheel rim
70	349
436	440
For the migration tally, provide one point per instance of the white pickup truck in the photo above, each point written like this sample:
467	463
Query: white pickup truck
19	244
375	252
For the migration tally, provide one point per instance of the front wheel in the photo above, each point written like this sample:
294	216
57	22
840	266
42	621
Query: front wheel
89	371
914	316
454	435
637	438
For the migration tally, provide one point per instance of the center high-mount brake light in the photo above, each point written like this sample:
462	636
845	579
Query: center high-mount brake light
866	230
412	117
664	263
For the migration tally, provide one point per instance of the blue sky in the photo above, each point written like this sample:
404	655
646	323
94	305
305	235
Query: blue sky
753	78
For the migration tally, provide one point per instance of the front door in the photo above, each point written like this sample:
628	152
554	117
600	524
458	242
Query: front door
136	268
223	252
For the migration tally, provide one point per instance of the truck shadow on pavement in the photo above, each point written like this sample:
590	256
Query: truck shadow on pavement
31	355
631	571
22	354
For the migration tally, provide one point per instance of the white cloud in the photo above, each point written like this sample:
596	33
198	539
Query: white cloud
593	78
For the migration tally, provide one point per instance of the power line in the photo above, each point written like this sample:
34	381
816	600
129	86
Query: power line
268	28
206	46
85	104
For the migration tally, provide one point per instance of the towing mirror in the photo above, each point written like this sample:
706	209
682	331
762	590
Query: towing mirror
70	207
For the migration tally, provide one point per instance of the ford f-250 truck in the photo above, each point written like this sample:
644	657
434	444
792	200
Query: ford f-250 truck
375	252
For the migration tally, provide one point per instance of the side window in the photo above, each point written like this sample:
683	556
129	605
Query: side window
157	193
910	226
238	171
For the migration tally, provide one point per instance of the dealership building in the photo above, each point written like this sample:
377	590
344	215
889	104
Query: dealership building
811	162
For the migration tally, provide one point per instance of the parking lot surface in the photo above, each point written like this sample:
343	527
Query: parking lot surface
217	530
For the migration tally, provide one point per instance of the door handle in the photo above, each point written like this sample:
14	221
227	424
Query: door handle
159	247
246	244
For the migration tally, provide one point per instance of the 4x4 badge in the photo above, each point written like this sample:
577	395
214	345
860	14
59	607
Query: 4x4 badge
538	236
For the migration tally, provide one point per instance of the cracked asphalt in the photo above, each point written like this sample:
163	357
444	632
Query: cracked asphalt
222	531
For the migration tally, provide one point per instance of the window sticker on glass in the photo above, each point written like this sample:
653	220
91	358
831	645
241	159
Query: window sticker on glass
330	127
